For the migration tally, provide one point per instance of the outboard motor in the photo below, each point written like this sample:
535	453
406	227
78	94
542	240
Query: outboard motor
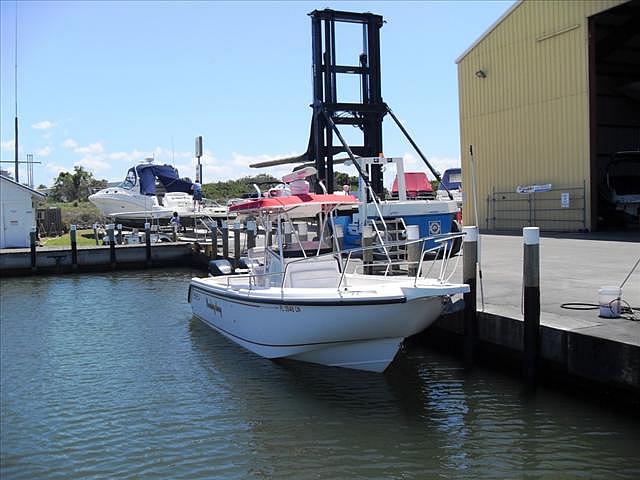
220	267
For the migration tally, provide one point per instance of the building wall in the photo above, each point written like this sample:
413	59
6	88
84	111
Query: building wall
528	119
17	215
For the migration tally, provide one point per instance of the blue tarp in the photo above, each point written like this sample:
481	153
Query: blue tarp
166	174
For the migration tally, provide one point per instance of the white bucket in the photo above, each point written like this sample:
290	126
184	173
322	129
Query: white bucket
609	300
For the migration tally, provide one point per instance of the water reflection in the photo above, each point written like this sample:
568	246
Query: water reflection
110	376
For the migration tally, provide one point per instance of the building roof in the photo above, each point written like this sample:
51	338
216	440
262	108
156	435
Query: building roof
31	191
489	30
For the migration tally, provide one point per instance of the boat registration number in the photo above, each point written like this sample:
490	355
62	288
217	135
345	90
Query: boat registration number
290	308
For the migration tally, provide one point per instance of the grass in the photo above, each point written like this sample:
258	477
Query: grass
83	237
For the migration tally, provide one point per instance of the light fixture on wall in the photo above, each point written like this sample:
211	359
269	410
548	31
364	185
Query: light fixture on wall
481	74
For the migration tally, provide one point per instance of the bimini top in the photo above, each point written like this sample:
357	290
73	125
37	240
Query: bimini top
146	174
303	205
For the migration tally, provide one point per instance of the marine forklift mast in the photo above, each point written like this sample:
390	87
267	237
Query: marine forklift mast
329	111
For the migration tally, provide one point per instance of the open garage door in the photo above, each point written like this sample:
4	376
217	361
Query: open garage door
614	94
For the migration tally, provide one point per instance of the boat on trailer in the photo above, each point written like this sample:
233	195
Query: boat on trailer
310	301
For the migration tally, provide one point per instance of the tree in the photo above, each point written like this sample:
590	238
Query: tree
341	178
76	186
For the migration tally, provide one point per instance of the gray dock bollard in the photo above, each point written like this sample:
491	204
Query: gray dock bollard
112	245
469	271
367	255
225	239
251	234
119	234
32	239
147	238
531	279
74	246
236	242
413	249
288	233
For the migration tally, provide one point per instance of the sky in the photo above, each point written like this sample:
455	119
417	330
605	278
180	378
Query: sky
106	84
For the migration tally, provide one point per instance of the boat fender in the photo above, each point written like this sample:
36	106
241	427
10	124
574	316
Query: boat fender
220	267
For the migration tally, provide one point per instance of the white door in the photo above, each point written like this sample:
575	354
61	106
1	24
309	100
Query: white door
14	225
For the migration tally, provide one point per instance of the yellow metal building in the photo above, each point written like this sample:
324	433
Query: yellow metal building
542	103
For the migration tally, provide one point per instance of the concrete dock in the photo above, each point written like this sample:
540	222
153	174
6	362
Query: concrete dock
577	343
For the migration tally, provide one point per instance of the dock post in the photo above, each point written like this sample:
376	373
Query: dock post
269	232
414	249
147	239
119	234
469	263
531	279
251	234
74	247
303	231
367	255
287	233
112	245
33	237
214	241
225	239
95	233
236	242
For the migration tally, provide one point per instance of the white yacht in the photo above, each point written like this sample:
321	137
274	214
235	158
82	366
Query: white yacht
153	192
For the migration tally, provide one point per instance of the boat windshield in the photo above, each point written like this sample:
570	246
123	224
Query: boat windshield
130	180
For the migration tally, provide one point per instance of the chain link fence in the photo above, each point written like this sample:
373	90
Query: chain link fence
561	209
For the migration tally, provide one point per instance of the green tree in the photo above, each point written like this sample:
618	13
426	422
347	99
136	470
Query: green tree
76	186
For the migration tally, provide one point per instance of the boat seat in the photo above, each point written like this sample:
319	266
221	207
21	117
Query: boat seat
315	272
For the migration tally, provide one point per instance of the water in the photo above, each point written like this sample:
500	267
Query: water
108	376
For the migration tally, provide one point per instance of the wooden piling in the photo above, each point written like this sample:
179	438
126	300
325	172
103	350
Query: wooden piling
95	233
119	234
74	247
367	255
251	234
214	241
531	279
469	263
147	238
225	239
112	245
236	242
33	238
303	231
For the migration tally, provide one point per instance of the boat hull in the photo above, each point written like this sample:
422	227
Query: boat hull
349	330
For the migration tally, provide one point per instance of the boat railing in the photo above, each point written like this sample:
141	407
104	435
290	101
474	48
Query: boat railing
442	252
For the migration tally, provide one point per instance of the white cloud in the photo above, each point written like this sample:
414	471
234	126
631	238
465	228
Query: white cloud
93	164
8	144
70	143
56	168
43	125
90	149
44	152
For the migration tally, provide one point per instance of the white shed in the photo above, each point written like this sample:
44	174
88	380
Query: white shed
17	213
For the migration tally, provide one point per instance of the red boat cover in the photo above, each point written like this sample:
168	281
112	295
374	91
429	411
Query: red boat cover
415	182
309	202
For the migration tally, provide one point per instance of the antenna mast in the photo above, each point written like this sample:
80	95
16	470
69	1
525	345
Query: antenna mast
16	97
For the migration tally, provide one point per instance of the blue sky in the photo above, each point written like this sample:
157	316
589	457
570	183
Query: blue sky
105	84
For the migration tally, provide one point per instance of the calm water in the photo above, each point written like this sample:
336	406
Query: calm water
108	376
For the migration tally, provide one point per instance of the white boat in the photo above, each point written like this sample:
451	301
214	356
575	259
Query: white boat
137	199
306	301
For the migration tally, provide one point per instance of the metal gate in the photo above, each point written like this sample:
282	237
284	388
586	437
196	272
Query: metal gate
561	209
